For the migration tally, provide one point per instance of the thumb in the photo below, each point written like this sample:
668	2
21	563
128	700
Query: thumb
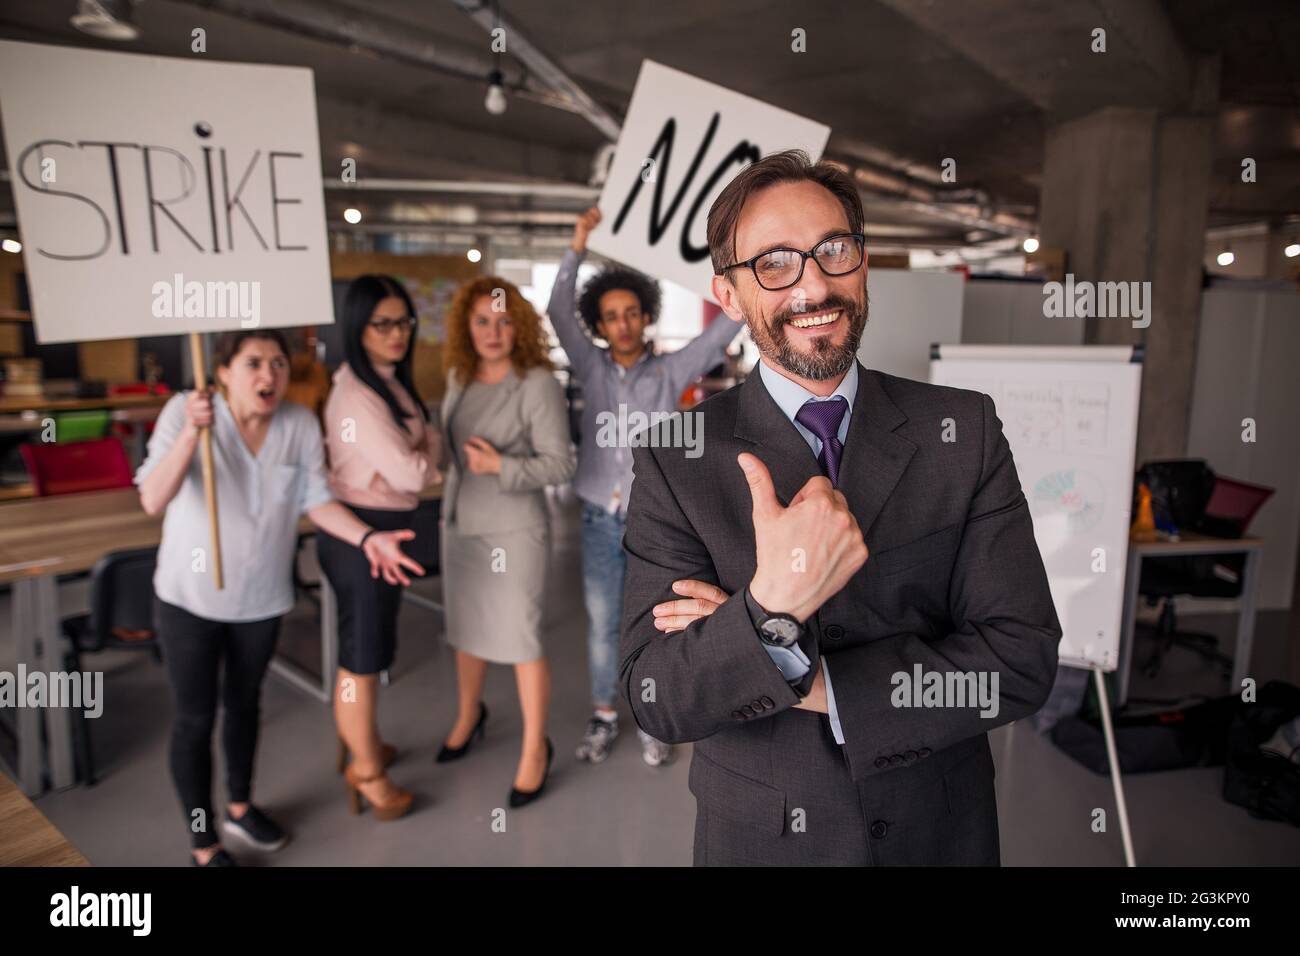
761	490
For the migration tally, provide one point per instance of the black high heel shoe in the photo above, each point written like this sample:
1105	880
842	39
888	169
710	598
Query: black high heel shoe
448	754
519	798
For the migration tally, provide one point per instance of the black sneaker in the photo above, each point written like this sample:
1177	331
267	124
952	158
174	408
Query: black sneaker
256	829
220	858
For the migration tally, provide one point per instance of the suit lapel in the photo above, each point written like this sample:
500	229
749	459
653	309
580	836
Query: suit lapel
760	421
874	456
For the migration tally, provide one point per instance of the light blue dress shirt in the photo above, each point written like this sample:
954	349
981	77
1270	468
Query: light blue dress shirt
790	396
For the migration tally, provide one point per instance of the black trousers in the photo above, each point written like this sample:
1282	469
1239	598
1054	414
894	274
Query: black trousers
194	651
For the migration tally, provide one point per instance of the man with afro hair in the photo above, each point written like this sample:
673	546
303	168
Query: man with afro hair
616	305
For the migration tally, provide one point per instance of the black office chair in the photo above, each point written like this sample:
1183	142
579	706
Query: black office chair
120	618
1188	495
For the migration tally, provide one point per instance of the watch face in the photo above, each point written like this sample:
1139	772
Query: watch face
781	631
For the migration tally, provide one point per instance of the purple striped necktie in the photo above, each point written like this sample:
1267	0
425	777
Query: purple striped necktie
823	420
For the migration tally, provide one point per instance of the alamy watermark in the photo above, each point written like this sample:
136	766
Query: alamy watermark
1098	300
632	429
923	688
179	299
82	690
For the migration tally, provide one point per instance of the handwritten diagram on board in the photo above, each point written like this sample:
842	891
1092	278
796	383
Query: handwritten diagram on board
1071	427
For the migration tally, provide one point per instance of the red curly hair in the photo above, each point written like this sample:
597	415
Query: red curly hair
530	349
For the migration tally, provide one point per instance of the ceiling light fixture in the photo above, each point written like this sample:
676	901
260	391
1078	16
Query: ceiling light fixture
106	19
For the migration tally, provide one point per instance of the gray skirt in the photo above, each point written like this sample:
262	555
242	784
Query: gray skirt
494	589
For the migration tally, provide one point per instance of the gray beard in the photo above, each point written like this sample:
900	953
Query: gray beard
826	361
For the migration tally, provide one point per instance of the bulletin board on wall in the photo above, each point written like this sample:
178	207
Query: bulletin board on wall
431	281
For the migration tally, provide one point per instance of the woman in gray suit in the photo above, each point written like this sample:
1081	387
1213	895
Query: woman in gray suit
506	429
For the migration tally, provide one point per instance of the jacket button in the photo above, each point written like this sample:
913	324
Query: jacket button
757	705
911	756
879	829
738	715
768	703
747	711
924	752
834	632
882	762
896	760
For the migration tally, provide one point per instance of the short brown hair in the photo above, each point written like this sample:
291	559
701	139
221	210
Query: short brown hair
788	166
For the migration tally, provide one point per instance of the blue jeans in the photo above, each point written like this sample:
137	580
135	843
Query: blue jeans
604	565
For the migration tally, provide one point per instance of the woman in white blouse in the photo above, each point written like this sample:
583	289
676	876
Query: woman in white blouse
270	469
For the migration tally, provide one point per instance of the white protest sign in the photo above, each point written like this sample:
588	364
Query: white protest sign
158	196
682	142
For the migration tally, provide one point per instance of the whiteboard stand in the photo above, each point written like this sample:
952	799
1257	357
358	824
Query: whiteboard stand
1112	756
1069	415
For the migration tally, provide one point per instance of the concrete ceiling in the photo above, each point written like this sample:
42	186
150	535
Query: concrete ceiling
902	83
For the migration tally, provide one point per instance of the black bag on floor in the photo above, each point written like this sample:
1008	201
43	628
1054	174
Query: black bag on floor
1266	784
1193	736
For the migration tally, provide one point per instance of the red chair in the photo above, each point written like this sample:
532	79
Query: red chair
78	466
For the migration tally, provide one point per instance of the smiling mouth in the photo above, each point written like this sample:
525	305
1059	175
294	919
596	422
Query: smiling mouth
266	393
817	319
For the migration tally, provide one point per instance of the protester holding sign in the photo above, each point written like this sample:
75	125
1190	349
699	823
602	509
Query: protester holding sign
270	468
627	377
383	452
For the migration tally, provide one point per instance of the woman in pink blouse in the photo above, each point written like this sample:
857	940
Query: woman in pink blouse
383	452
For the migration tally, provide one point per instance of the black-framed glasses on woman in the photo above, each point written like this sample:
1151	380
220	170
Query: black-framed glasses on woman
383	326
780	268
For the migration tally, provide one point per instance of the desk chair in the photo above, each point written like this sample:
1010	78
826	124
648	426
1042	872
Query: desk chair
120	618
66	468
1231	506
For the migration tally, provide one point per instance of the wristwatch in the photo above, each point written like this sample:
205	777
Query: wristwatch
776	629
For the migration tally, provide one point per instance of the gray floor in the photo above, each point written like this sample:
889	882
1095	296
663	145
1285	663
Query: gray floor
619	813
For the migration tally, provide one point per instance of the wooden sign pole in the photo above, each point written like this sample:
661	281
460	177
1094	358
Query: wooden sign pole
205	448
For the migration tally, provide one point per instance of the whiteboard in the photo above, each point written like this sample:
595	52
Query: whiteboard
1070	416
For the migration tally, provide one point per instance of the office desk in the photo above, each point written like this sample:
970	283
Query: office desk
30	839
1190	545
45	537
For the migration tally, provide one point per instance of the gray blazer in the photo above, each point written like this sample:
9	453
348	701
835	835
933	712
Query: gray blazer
529	426
954	582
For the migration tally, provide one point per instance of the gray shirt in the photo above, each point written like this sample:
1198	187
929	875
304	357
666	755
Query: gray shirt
259	500
653	384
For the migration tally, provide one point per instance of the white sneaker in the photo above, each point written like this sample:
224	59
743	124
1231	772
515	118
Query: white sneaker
655	752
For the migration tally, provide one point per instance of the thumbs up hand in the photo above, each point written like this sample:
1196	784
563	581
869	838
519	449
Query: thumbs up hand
806	552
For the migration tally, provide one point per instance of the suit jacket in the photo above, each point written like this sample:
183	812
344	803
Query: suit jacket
954	582
528	423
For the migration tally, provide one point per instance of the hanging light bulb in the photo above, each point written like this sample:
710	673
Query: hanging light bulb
1030	245
1226	258
1292	250
495	101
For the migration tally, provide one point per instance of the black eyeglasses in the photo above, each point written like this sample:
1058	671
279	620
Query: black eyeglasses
776	269
384	326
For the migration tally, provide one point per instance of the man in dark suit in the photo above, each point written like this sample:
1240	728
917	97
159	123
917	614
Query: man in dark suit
841	596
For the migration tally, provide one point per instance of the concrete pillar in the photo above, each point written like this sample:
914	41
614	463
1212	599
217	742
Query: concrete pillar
1125	192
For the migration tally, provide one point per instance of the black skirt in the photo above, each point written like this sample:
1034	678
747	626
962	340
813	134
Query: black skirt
367	607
